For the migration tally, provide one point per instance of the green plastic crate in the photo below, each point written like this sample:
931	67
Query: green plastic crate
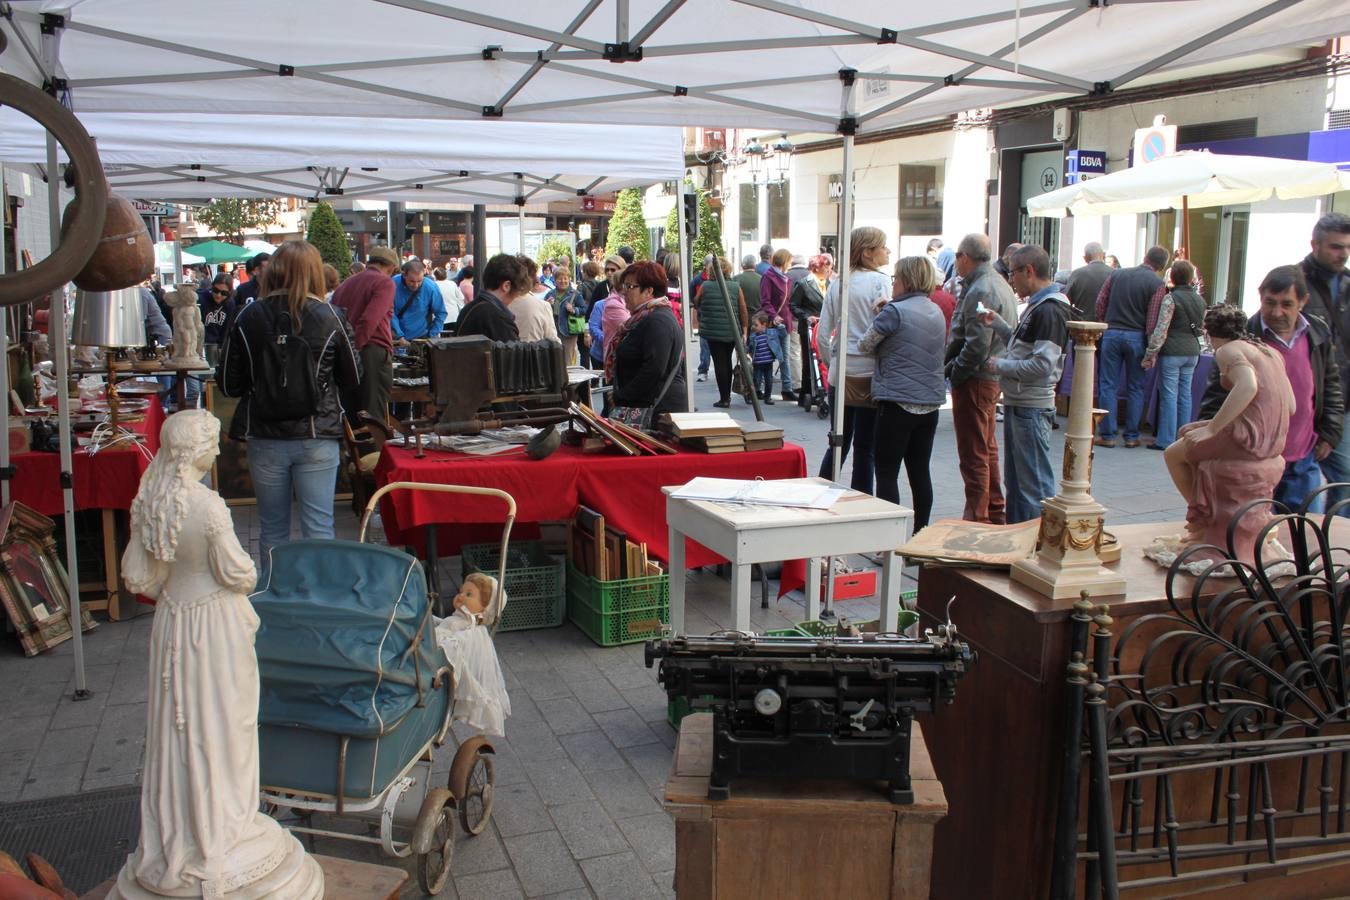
618	612
677	708
534	582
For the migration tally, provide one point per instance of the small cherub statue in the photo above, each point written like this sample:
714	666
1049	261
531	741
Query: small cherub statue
188	334
466	639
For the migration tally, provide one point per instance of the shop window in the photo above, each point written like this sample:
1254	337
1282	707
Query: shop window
921	199
780	197
749	215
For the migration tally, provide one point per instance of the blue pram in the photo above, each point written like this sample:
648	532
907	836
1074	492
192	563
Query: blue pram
355	693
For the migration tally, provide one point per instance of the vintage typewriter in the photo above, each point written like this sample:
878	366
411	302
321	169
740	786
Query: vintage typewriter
477	383
812	707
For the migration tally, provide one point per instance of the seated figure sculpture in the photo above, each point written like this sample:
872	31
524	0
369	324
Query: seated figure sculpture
1222	464
201	832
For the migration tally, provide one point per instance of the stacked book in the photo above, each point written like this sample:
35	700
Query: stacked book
762	436
706	432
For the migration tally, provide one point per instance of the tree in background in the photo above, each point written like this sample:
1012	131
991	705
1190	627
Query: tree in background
709	238
557	249
326	233
230	217
628	226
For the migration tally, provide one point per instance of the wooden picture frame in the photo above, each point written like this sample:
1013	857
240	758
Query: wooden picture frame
33	581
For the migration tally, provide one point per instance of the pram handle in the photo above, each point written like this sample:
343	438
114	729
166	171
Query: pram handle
500	600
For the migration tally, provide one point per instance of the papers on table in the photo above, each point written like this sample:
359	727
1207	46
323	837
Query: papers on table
807	494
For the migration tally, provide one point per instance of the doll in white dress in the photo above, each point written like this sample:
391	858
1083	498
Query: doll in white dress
466	638
201	832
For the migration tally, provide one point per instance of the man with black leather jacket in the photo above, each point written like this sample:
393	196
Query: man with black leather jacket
1328	280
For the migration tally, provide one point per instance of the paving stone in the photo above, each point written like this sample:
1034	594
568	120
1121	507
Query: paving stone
59	748
630	676
499	885
558	781
543	864
625	728
652	839
651	761
581	894
566	716
618	877
98	783
478	853
533	741
22	732
53	781
79	713
592	751
517	810
598	695
665	884
14	770
648	701
588	830
623	793
543	685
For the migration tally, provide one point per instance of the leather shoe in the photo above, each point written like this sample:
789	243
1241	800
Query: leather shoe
1131	444
790	396
1103	442
722	404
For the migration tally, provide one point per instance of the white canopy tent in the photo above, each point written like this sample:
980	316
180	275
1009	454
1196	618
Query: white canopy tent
1195	178
801	65
205	155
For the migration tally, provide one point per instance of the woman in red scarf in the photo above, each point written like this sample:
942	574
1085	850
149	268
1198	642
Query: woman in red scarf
645	361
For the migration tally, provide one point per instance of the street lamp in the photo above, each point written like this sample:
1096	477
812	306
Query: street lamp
755	153
782	149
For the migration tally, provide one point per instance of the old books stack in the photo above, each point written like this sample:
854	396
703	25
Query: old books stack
707	432
761	436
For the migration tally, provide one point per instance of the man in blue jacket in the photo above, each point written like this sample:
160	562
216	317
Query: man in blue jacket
419	310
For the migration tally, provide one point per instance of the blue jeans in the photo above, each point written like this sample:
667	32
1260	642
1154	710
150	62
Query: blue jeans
704	355
1174	397
1301	477
1028	477
306	467
1336	468
1121	346
784	369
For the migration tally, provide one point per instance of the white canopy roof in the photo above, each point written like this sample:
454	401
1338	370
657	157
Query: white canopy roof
750	63
200	155
1203	178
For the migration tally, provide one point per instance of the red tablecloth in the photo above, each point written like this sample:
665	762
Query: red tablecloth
626	490
107	480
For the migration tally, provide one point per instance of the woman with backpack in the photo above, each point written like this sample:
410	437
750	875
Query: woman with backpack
288	356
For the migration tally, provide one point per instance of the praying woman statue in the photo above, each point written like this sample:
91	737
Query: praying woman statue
201	832
1222	464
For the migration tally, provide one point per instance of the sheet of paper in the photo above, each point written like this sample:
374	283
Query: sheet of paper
771	493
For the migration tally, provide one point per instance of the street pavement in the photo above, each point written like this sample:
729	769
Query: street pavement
579	774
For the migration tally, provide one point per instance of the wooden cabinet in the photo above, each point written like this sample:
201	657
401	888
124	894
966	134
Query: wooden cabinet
798	838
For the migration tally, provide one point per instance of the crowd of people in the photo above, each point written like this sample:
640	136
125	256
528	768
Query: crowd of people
1006	342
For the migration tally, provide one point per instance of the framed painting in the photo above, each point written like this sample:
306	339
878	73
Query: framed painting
33	581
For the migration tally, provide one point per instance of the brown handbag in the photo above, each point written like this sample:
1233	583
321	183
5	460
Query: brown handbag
858	391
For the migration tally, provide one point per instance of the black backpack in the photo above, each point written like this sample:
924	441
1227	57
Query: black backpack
285	385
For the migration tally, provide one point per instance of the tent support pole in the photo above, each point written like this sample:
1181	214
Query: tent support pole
841	349
683	225
1186	224
61	354
5	474
479	245
520	213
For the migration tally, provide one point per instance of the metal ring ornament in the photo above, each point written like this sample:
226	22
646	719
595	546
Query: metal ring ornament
81	237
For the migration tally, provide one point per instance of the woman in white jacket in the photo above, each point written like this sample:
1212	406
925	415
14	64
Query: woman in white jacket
867	284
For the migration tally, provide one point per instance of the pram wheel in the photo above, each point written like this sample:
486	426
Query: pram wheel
472	779
823	409
434	840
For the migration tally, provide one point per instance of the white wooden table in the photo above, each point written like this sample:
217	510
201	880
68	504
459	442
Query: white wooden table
746	534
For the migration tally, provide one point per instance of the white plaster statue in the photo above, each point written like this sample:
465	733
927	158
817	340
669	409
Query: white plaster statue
188	334
201	832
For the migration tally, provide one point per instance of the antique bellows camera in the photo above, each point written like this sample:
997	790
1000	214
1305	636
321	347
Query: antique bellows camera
817	707
477	383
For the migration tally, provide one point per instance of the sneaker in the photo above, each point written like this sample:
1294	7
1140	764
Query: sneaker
1131	444
768	401
790	396
702	376
1104	442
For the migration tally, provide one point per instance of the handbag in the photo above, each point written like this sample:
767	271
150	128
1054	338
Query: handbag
576	324
858	391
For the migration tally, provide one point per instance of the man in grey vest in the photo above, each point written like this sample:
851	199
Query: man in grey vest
1086	282
1123	304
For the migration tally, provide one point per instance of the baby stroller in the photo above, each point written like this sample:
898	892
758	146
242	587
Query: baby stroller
821	390
356	694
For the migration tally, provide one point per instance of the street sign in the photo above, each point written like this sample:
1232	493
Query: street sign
146	208
584	232
1153	143
1080	165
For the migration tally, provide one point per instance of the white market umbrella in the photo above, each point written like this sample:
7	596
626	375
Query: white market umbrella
1192	178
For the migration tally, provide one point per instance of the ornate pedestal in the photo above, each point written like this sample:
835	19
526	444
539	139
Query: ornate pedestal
1068	556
